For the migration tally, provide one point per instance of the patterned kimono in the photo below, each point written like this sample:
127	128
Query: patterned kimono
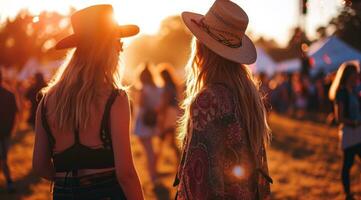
217	161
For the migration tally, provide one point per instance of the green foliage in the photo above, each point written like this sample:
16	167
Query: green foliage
347	25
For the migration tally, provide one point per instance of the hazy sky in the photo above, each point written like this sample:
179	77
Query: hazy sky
269	18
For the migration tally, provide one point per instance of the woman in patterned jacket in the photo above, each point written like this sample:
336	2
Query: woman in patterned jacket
224	127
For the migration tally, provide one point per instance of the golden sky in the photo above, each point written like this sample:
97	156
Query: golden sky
268	18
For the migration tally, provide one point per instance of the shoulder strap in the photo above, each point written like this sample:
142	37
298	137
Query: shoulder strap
46	126
105	128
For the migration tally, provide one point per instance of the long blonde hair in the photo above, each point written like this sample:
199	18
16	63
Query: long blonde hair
92	67
206	67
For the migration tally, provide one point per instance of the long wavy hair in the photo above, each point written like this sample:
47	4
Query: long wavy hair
92	67
342	75
206	67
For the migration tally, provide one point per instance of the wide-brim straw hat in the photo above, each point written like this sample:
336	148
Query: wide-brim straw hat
94	23
222	30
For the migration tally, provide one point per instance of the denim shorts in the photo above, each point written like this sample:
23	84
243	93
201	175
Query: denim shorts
100	186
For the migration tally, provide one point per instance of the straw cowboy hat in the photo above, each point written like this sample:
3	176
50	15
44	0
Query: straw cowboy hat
222	30
93	23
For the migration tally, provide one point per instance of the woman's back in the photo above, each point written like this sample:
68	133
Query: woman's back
82	155
90	136
82	130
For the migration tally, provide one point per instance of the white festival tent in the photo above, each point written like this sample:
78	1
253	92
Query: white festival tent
329	53
32	66
289	66
264	63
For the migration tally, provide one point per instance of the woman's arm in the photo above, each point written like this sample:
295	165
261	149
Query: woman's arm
124	165
42	163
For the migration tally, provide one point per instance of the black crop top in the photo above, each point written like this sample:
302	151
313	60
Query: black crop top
79	156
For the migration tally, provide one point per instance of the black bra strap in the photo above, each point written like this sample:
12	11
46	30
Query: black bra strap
104	128
45	124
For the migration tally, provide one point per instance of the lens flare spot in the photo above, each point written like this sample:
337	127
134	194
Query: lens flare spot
238	171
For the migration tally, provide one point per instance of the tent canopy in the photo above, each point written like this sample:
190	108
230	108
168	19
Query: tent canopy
264	63
329	53
289	66
33	66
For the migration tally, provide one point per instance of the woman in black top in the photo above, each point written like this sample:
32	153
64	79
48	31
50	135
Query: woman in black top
347	112
82	125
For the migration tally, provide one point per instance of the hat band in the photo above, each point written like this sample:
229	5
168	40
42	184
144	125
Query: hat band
226	38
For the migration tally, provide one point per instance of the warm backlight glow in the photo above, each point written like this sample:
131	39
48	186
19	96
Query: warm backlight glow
264	21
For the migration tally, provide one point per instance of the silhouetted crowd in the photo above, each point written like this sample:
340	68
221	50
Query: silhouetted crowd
299	95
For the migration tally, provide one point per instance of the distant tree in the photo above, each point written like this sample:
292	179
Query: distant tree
293	48
321	32
298	38
171	44
266	43
347	24
28	36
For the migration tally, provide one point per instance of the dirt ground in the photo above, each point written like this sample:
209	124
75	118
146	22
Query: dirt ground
304	160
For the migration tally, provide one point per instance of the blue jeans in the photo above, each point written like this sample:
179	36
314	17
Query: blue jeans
348	160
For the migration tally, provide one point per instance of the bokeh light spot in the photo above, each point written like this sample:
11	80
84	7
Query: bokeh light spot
238	171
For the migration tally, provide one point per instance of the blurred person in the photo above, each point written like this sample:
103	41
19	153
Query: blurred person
321	96
311	96
347	113
265	90
224	127
146	125
34	96
21	88
169	111
280	95
330	120
82	140
300	95
8	111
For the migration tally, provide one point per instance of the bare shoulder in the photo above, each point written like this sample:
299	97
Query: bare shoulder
121	102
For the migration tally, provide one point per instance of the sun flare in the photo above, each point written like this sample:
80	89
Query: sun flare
149	14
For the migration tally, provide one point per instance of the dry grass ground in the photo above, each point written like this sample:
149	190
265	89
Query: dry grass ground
304	159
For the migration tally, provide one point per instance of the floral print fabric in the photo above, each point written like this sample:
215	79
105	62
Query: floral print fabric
217	160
